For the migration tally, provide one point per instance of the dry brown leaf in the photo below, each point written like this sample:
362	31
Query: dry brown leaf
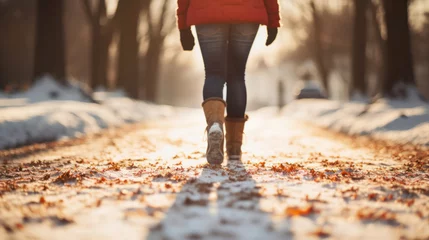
320	233
374	215
420	214
372	196
46	177
297	211
19	226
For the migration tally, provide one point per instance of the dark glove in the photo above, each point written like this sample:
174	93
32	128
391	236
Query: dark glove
272	34
187	39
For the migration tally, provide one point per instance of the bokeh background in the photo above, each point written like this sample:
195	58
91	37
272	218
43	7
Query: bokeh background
350	48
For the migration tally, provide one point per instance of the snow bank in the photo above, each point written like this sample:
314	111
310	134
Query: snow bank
394	120
47	89
49	111
54	120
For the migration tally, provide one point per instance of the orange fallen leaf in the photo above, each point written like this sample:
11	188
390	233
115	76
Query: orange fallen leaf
420	214
386	198
320	233
374	215
372	196
19	226
345	173
297	211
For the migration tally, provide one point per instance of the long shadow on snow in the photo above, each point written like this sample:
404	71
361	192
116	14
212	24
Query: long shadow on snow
220	204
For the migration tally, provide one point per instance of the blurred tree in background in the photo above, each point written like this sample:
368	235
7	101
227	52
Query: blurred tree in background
158	29
379	47
16	43
380	41
102	29
359	43
50	40
128	21
399	65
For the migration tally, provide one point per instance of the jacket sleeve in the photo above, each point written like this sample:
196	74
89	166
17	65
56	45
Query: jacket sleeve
273	11
182	11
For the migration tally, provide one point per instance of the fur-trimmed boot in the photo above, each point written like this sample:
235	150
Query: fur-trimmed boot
234	136
214	110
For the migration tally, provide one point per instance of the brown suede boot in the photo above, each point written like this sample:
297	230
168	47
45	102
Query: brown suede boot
214	110
234	136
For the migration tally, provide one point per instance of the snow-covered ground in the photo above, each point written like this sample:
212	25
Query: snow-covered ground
49	111
401	121
151	181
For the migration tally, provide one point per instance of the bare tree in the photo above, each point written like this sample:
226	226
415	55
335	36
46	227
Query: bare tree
50	46
359	48
399	65
318	47
128	23
380	43
158	29
16	43
102	28
425	92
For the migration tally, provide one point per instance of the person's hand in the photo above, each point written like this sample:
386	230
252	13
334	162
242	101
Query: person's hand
272	34
187	39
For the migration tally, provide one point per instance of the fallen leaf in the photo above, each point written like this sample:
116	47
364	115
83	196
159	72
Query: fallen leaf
372	196
320	233
200	202
297	211
46	177
420	214
19	226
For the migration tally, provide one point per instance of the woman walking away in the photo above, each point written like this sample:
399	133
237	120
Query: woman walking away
226	30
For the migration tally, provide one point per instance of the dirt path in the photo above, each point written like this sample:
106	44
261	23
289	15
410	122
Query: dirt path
151	181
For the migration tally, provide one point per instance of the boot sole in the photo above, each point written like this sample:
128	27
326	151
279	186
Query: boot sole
214	153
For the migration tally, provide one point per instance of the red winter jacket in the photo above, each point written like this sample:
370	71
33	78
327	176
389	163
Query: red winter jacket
195	12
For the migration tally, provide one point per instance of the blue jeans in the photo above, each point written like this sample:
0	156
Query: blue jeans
225	49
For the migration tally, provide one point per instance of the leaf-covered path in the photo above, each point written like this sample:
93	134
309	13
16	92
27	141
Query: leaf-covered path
151	181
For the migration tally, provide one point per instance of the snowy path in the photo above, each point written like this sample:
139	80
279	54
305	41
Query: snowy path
151	181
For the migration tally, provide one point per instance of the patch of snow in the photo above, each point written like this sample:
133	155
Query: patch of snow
12	102
34	116
359	97
402	121
101	94
54	120
47	89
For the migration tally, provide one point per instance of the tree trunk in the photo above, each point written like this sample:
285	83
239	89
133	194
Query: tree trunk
408	70
102	33
158	28
382	48
153	57
399	65
50	46
129	13
359	48
100	57
95	55
318	48
105	41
